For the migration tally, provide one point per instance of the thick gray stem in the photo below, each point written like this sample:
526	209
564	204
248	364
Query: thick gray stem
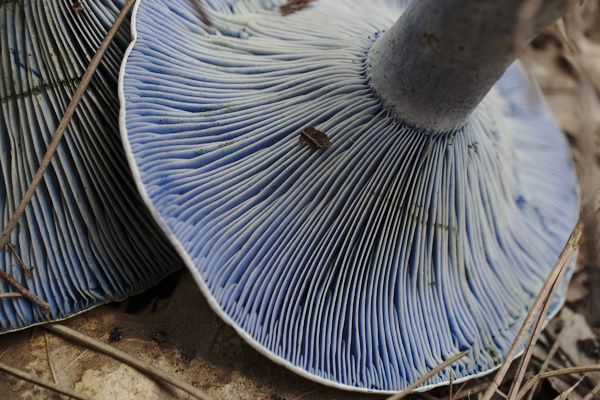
439	60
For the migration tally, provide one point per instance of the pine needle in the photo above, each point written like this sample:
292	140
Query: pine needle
427	376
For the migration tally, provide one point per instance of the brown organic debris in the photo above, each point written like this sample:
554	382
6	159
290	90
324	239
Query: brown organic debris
292	6
77	7
315	138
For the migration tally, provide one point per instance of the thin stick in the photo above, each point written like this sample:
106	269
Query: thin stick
552	374
307	394
427	396
42	382
567	357
428	375
462	387
49	360
15	251
44	306
555	275
548	359
450	387
10	295
85	80
565	395
539	324
126	358
594	392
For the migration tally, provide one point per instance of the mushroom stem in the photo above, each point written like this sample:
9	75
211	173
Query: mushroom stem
439	60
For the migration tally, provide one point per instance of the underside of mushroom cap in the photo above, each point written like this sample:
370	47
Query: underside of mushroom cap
366	264
86	233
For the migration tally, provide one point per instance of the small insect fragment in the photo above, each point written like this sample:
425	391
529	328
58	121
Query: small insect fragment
77	7
315	138
292	6
115	335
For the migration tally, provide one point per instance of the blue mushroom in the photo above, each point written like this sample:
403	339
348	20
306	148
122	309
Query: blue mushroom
85	234
427	226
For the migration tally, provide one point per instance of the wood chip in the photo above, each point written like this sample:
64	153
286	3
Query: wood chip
315	138
292	6
77	7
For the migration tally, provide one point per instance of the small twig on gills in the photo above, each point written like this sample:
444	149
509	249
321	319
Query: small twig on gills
62	126
15	251
44	306
10	295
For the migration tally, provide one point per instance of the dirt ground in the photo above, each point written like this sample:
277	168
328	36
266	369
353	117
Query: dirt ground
179	333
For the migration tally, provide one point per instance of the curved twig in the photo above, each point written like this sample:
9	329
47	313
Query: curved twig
552	374
127	359
42	382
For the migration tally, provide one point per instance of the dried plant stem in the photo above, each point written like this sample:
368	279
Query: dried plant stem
426	396
307	394
565	395
49	359
126	358
458	392
428	375
42	382
541	315
450	387
594	392
541	303
44	306
15	251
548	359
62	126
10	295
552	374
